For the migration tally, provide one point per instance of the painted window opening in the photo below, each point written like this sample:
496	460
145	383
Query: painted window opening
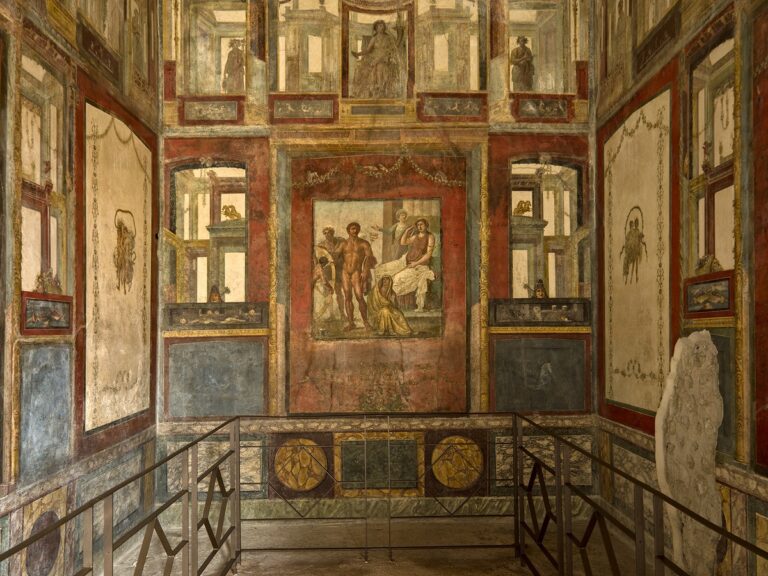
549	239
450	41
307	47
44	197
712	123
208	239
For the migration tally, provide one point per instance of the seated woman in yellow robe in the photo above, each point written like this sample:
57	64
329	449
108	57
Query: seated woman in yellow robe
383	314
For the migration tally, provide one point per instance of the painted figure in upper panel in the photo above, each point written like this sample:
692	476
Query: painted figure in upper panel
523	69
378	74
233	81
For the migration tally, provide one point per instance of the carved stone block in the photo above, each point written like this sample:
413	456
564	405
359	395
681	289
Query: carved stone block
687	423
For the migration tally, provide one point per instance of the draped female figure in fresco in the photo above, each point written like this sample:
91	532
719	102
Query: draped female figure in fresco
379	69
383	314
412	271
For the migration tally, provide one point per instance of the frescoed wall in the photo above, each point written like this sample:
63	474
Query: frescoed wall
760	29
639	314
429	239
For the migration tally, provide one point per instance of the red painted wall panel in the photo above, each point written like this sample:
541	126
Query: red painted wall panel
760	150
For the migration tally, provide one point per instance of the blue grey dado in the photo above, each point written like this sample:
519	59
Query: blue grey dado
539	374
216	378
46	405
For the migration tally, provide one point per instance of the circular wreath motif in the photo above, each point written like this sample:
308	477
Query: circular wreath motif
457	462
300	464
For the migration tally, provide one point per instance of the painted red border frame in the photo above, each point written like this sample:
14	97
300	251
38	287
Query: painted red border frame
760	151
667	78
482	117
169	80
26	296
294	97
254	153
240	100
706	279
110	434
168	342
587	338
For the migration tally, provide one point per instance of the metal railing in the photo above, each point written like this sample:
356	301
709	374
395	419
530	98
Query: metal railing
220	539
557	551
539	503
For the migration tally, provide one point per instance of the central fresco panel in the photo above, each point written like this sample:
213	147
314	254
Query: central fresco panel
378	284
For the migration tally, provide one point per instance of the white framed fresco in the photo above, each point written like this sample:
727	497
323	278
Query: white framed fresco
637	267
118	240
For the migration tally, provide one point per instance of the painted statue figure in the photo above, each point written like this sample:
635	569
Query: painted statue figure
379	68
329	271
233	80
523	69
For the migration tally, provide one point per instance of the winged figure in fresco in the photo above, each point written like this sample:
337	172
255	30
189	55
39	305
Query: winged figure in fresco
634	245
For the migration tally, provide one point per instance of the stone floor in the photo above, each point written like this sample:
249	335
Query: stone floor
403	562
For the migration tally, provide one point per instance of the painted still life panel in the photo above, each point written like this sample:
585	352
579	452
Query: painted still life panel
118	263
376	269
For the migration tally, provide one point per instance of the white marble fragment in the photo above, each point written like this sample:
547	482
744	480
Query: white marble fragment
687	423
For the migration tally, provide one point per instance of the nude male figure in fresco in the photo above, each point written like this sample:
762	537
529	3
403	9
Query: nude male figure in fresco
356	274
